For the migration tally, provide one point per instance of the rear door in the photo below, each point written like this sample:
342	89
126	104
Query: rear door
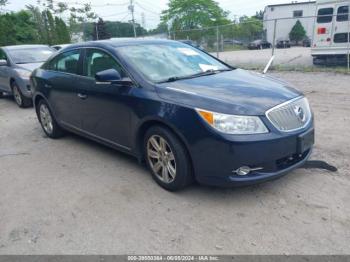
341	26
60	84
106	108
324	26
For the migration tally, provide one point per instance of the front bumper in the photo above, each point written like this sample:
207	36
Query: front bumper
215	159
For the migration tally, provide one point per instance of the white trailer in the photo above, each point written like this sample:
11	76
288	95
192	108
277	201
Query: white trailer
331	32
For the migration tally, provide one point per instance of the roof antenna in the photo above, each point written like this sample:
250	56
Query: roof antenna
268	64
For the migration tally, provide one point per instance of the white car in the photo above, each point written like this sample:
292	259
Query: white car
331	34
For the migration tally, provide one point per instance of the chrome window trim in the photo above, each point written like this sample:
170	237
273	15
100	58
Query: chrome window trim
284	104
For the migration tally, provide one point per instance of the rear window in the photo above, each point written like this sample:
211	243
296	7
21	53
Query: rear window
29	55
325	15
343	14
341	38
67	62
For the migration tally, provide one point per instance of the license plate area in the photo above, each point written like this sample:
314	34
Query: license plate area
306	141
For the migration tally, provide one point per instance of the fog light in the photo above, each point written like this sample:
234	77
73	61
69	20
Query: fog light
245	170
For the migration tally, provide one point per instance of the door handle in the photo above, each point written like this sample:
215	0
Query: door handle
82	96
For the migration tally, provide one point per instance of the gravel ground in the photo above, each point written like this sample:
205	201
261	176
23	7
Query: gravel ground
73	196
295	56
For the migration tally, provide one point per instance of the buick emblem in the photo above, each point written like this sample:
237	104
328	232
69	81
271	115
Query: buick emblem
299	112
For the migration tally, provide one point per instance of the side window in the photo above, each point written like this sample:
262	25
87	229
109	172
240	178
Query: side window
97	61
298	13
2	55
341	38
67	62
343	14
325	15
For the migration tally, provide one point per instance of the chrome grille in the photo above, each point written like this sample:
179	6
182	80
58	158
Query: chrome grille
291	115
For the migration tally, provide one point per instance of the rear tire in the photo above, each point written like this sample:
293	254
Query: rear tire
1	94
47	121
20	99
167	159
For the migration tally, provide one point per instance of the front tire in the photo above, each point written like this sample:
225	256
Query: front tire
20	99
47	121
167	159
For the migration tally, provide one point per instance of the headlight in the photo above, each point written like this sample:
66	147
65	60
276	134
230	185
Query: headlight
24	73
232	124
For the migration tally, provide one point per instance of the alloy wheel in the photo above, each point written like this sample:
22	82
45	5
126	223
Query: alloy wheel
46	119
161	159
17	95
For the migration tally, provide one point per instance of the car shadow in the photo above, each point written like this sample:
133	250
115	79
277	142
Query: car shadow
194	190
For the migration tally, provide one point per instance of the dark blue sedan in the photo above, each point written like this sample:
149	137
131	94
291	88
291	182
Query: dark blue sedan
188	115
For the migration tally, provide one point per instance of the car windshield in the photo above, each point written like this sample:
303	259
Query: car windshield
161	62
30	55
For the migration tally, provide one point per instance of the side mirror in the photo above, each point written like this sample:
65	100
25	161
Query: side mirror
112	76
3	62
108	76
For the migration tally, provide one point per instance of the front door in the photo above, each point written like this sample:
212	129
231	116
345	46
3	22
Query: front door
106	107
61	81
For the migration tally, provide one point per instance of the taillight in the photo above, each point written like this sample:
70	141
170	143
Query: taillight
321	30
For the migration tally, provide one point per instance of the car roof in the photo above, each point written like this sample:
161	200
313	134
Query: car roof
61	45
119	42
17	47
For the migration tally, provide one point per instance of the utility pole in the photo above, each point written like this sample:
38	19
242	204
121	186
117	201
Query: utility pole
143	20
96	28
131	9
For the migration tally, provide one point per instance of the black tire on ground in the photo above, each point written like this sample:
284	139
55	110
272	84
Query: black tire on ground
20	99
318	61
55	131
1	94
175	150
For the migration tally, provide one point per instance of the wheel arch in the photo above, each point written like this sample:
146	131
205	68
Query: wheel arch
36	99
12	81
141	131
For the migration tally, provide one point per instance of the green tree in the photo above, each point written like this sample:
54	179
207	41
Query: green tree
250	28
100	30
6	30
62	32
81	20
24	27
39	23
50	29
3	2
259	15
193	14
297	33
161	28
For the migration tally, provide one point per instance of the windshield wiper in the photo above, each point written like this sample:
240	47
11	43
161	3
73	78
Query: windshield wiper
205	73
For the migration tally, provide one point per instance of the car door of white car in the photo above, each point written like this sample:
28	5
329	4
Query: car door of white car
341	26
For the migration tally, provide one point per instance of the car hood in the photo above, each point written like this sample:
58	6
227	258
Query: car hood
234	92
29	67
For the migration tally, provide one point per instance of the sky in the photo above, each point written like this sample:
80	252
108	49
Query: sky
147	12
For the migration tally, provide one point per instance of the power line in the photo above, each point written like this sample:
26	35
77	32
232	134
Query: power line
83	4
116	14
147	9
